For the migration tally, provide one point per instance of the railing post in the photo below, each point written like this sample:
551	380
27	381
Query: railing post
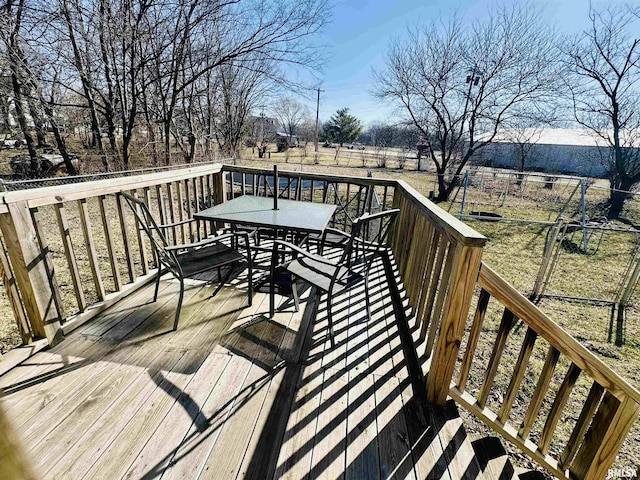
9	282
603	440
29	267
220	187
464	274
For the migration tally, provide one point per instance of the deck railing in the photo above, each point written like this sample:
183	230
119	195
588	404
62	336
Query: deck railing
50	233
610	405
54	235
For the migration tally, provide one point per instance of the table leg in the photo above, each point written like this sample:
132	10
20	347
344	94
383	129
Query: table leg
272	295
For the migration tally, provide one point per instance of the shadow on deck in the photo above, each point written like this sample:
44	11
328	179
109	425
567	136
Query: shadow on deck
233	394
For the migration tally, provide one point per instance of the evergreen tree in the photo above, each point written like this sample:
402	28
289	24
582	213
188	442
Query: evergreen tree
341	128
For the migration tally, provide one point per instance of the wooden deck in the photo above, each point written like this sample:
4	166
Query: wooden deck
232	394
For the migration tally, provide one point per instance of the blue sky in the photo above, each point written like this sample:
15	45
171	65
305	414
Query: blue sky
360	31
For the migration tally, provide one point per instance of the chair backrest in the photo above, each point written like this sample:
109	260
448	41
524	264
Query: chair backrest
154	232
368	236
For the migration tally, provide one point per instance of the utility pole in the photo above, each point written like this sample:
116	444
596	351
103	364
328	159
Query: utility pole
317	122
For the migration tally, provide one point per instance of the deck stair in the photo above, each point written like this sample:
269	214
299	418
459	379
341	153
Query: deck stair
496	464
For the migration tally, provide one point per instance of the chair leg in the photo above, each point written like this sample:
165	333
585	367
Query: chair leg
250	273
330	320
294	292
177	319
155	293
367	295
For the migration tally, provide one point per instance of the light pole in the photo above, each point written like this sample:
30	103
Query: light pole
317	122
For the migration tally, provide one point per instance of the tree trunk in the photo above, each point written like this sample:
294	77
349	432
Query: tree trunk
616	202
62	146
22	121
38	123
443	189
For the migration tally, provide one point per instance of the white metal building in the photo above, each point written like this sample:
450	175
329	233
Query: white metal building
558	150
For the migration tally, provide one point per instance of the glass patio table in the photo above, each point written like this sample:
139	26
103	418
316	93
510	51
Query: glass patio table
290	216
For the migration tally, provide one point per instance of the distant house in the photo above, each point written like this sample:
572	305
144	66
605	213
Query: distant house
284	141
260	128
557	150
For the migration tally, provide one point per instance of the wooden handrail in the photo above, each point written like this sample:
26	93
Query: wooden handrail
544	326
37	197
450	225
321	177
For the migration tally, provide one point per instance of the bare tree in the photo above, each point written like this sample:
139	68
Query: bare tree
290	115
12	16
525	130
604	80
239	90
459	82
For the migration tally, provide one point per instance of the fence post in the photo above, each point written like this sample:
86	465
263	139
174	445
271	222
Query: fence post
28	262
464	193
585	236
464	274
623	298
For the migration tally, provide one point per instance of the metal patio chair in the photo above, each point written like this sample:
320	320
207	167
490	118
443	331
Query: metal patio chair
190	258
365	242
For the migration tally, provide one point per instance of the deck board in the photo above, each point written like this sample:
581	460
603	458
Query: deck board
232	393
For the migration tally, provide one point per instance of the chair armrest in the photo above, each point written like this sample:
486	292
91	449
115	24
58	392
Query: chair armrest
305	253
175	224
201	243
336	231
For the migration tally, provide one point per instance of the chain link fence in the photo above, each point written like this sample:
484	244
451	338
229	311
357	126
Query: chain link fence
7	185
550	237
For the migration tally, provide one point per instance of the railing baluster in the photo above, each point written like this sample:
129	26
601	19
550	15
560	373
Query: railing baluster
108	236
91	248
187	192
202	203
556	409
539	393
443	245
183	232
518	374
144	259
498	347
578	433
72	263
474	336
125	239
443	293
172	212
428	276
147	198
418	252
